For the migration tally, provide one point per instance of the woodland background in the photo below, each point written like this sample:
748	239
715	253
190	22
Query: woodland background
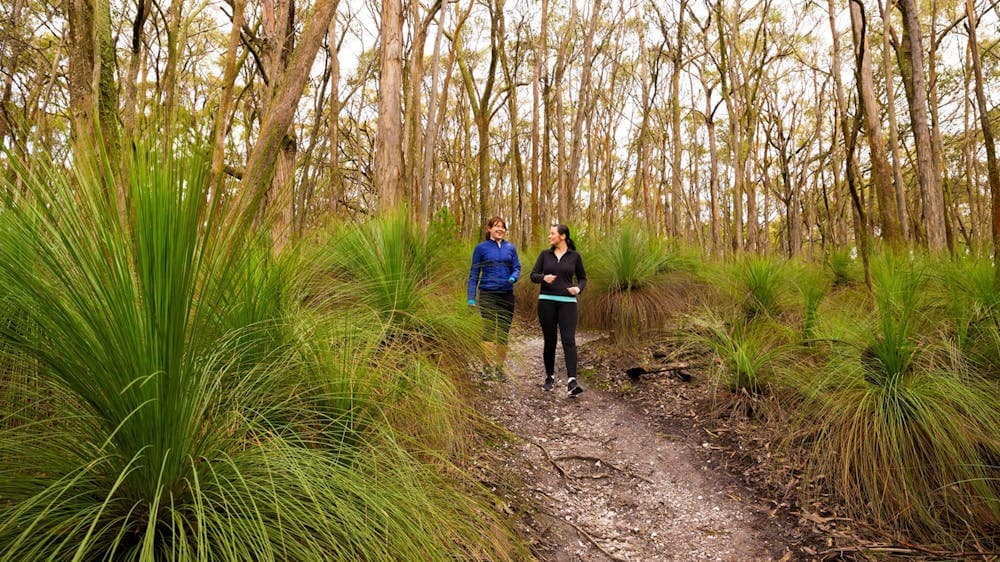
235	243
733	125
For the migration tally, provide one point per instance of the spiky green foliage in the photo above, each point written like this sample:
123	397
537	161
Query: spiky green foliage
758	285
635	281
403	281
971	301
748	355
903	433
183	405
843	267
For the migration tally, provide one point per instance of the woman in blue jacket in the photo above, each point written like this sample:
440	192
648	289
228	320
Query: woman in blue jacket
560	272
495	269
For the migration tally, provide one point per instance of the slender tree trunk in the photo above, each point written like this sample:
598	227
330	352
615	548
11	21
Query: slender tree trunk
899	187
413	109
92	88
336	193
389	137
992	166
538	79
736	139
430	138
912	62
583	108
881	172
281	109
713	175
676	146
937	144
849	135
131	102
224	114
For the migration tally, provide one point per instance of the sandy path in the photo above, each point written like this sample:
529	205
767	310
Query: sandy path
608	486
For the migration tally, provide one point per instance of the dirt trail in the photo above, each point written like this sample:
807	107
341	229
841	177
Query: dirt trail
606	485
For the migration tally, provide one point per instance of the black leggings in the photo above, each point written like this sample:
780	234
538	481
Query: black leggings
497	310
554	315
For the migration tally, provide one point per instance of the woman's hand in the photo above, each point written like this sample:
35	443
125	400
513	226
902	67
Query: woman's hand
574	291
549	278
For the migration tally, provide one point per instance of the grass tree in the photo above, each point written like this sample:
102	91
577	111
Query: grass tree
186	401
635	282
902	431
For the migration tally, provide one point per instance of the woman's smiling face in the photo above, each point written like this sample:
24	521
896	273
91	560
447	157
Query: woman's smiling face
554	236
497	230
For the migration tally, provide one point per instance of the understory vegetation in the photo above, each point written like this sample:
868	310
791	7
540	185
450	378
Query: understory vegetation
173	389
890	396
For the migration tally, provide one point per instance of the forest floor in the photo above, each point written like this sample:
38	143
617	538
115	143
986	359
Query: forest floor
620	473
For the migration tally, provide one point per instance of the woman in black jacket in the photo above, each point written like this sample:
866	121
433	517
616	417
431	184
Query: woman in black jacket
562	276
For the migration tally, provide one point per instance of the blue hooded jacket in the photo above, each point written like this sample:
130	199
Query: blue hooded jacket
495	267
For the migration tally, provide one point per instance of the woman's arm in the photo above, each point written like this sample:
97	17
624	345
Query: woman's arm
474	272
581	274
536	272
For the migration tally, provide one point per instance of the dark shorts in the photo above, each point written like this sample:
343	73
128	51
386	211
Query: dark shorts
497	309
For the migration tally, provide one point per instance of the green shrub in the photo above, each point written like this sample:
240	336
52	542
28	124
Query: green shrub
185	405
635	282
901	432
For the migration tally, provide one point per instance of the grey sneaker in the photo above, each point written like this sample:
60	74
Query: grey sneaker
549	381
572	388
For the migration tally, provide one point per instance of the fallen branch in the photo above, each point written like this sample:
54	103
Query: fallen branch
559	469
604	462
585	535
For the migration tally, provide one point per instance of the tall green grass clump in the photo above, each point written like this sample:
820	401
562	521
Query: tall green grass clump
635	281
843	268
748	359
180	408
971	302
403	280
757	286
902	432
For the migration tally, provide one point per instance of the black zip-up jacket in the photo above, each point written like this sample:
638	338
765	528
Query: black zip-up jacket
564	268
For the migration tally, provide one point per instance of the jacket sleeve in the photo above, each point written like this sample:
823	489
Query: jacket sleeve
581	274
474	271
515	272
536	272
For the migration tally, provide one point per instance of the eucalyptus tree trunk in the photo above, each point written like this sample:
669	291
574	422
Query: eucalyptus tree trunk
554	125
937	144
93	92
708	84
413	107
583	107
899	187
881	172
389	136
433	125
676	146
736	139
911	61
439	107
10	56
481	103
538	79
336	177
992	166
849	135
713	174
223	115
168	86
131	102
518	193
278	114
